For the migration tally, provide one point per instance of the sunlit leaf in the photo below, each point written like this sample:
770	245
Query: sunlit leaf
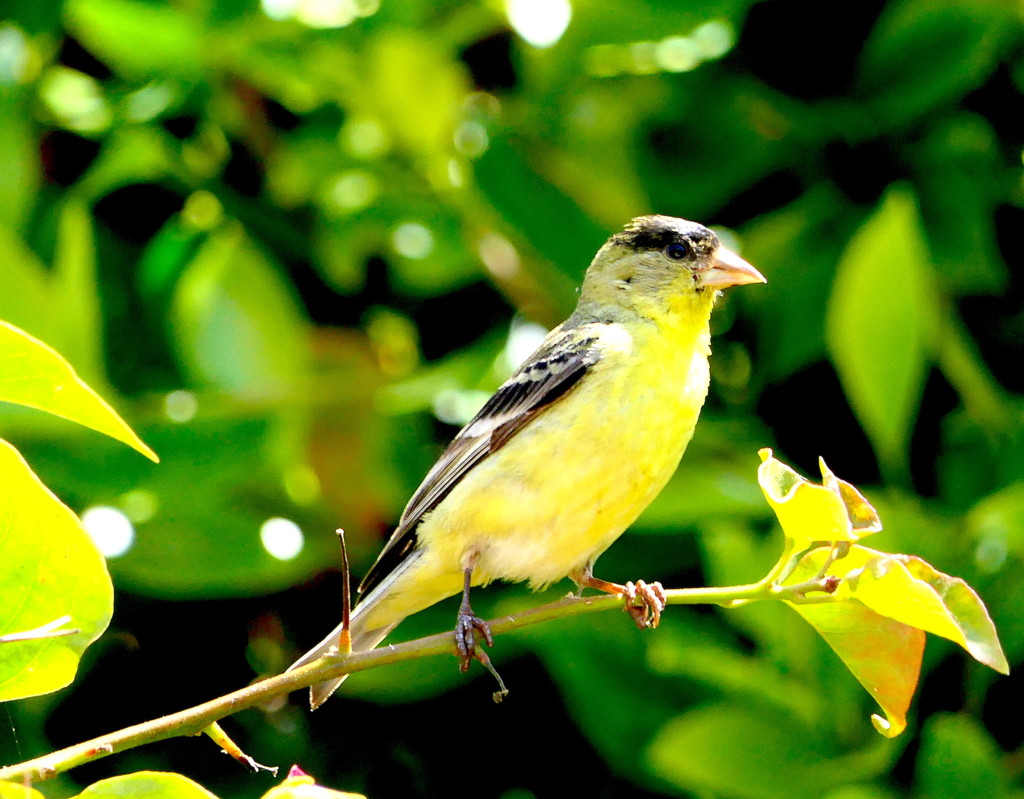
10	790
881	321
913	592
33	374
417	87
51	569
833	511
138	39
884	655
146	784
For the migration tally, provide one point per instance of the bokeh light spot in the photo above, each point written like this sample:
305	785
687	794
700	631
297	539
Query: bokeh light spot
111	531
181	406
282	538
539	22
413	240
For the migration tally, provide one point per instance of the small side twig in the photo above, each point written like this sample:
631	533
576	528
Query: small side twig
48	630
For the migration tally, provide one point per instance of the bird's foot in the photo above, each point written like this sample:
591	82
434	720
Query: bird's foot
467	625
644	603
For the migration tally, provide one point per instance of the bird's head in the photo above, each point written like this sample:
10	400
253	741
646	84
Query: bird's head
663	261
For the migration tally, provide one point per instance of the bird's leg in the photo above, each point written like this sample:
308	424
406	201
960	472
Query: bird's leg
467	625
644	601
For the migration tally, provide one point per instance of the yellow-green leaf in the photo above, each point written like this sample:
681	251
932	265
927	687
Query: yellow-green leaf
33	374
833	511
17	790
881	322
883	654
50	569
146	784
237	324
913	592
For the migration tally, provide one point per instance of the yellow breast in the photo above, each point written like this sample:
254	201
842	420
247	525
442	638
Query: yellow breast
563	489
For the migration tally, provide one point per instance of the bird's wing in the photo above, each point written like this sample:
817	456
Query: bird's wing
544	378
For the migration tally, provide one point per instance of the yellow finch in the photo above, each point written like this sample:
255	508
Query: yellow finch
569	450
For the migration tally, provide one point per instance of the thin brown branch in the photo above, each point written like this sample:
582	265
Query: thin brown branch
195	720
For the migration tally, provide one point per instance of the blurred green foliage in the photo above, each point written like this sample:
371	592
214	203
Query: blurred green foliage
298	242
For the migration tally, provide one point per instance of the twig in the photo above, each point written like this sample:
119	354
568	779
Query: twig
197	719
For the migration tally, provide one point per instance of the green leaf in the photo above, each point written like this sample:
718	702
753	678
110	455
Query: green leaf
867	791
32	374
145	785
198	518
139	39
959	174
237	323
587	658
51	569
58	305
74	293
19	159
797	248
749	752
881	322
686	648
996	523
26	295
528	201
959	760
911	591
970	35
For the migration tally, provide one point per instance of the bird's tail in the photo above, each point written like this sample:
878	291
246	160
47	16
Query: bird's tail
363	638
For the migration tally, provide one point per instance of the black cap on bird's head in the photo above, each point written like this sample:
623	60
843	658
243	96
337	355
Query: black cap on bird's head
715	266
660	232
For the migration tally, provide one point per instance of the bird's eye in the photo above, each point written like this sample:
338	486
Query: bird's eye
676	251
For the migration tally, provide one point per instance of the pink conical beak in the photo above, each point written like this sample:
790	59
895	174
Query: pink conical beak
728	269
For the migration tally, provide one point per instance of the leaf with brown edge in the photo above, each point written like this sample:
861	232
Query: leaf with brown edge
882	653
912	591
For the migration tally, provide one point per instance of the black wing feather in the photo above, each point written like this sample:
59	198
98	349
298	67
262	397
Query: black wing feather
547	376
